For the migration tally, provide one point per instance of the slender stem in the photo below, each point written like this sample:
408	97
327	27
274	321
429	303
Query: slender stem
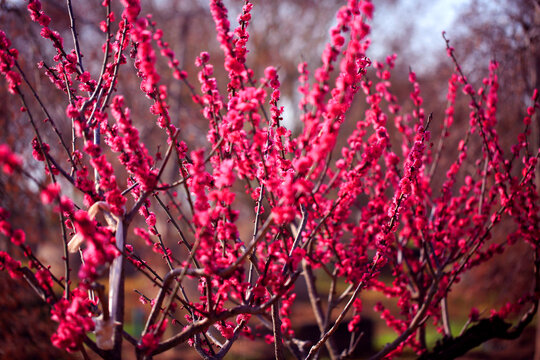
74	34
173	221
110	90
248	252
116	289
200	325
315	300
44	109
227	345
445	317
418	320
53	178
129	216
315	348
278	338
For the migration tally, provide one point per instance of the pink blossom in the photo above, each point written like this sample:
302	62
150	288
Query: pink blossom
18	237
9	264
224	175
150	340
10	162
132	8
74	321
367	8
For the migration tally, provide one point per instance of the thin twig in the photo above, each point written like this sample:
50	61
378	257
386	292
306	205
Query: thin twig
74	34
278	339
315	348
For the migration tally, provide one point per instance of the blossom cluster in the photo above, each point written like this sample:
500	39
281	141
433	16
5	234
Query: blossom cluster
74	321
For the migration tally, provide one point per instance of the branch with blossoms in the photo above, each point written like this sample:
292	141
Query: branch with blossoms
363	214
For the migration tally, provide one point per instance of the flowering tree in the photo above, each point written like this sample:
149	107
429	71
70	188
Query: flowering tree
364	214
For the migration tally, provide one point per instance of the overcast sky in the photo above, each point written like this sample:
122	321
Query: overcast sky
429	18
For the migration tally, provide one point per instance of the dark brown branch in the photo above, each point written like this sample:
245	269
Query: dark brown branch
484	330
278	338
